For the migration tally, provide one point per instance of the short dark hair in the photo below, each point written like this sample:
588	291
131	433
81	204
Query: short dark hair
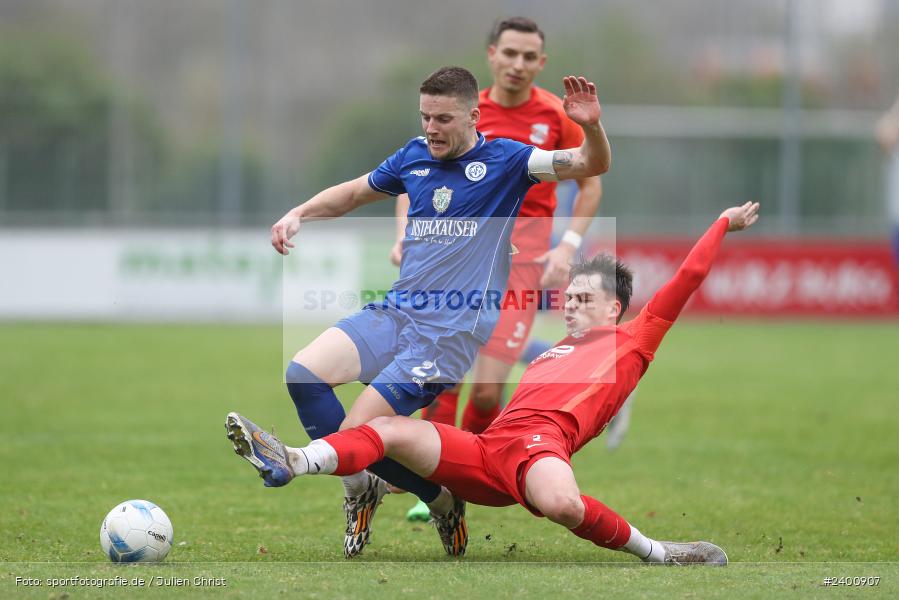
616	277
522	24
452	81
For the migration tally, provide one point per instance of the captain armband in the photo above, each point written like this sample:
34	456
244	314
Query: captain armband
540	165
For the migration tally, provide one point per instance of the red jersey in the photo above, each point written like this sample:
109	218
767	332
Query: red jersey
589	375
540	121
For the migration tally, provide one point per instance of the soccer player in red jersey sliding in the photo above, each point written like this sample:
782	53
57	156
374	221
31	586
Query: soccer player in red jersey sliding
514	108
565	398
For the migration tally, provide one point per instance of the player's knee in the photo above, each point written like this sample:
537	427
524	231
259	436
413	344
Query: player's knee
486	395
382	425
303	384
389	430
304	368
565	509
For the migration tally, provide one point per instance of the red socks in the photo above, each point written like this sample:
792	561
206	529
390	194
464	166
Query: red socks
356	449
442	409
602	526
476	420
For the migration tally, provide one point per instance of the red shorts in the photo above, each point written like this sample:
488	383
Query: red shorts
517	313
490	468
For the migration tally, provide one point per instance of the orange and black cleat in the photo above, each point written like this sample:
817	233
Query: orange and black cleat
360	510
452	529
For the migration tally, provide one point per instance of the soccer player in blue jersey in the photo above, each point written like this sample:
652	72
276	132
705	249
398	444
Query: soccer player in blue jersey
464	195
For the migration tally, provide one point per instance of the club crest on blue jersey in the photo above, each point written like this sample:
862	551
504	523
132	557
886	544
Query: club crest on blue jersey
442	197
475	171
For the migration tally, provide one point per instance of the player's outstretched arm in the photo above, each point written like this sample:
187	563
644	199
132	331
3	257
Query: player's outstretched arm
671	298
332	202
557	260
594	156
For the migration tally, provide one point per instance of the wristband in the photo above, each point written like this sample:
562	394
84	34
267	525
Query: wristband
573	238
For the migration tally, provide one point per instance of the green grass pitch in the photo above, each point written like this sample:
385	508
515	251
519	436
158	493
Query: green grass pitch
776	440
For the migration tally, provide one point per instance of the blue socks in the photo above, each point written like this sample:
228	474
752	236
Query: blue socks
399	476
319	409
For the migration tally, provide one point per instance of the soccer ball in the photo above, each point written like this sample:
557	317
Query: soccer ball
136	531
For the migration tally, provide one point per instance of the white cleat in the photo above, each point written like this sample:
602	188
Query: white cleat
694	553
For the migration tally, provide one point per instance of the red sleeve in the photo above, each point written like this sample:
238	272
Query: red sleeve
670	300
650	326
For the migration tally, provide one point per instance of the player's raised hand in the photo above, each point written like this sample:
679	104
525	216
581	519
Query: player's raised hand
581	103
557	266
742	217
283	230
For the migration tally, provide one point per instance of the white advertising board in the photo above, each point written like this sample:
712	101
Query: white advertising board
164	275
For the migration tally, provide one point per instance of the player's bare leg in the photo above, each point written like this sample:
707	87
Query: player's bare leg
332	357
368	405
551	488
329	360
490	375
413	443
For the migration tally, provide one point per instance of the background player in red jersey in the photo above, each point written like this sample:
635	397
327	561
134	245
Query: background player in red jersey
514	108
565	398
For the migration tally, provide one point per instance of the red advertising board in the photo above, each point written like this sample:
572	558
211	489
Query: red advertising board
776	277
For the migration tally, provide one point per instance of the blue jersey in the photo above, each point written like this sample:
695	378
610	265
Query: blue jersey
456	253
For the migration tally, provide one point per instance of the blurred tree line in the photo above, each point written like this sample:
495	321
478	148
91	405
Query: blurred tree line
59	148
55	112
58	110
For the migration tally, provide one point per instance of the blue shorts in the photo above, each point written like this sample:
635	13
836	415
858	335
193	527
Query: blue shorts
408	362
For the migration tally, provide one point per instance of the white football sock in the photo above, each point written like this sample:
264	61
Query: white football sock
318	457
354	485
648	550
443	503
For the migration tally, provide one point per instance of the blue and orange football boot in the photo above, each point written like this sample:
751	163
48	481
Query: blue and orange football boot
262	449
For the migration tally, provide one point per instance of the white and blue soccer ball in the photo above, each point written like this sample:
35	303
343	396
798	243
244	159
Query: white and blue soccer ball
136	531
